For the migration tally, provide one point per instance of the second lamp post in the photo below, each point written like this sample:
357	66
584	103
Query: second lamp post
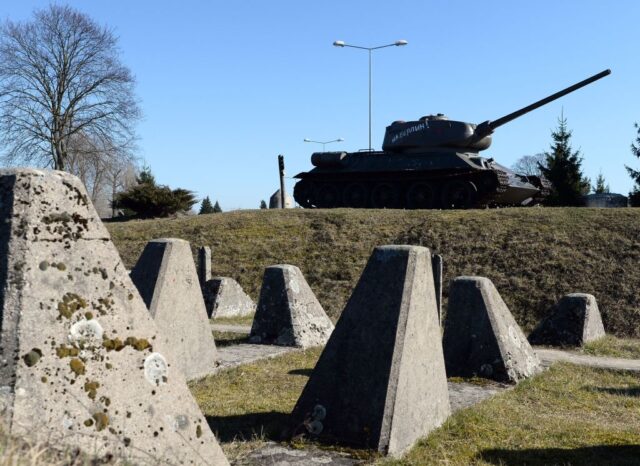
340	43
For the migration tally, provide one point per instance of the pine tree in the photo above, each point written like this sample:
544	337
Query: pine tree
206	207
147	199
216	208
634	195
146	177
601	187
562	169
263	204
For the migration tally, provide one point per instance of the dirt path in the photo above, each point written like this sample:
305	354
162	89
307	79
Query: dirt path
236	355
548	356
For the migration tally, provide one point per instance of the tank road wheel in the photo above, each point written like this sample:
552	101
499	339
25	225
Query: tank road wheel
421	196
384	196
355	195
459	195
327	196
303	193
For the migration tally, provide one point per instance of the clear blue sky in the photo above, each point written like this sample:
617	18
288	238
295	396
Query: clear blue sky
226	86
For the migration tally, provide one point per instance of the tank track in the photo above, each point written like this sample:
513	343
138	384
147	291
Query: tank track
476	189
543	185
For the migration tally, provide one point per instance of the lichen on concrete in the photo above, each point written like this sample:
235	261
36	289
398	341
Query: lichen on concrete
166	277
75	334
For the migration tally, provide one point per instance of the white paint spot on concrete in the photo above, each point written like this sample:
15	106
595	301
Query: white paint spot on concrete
515	337
85	331
176	423
156	369
294	286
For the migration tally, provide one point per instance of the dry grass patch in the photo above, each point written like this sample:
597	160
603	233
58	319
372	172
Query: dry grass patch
569	415
253	402
18	452
614	347
246	320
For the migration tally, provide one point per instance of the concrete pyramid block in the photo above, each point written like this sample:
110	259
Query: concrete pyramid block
573	321
481	337
82	362
166	278
227	299
288	313
380	382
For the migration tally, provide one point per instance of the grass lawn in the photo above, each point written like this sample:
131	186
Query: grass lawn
534	256
567	415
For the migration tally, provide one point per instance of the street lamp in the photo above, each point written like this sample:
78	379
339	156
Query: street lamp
323	142
398	43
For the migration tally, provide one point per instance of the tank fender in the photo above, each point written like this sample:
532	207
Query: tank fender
327	159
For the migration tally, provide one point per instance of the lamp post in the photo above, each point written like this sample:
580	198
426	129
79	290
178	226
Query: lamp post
398	43
323	142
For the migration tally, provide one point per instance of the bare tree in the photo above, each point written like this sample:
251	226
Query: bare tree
102	168
60	79
529	164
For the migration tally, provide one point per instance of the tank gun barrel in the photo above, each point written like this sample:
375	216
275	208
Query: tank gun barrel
488	127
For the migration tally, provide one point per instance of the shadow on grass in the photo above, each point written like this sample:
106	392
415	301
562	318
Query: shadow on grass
628	391
306	372
619	455
269	425
221	343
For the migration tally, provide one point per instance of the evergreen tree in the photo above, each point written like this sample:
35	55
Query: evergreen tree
148	200
146	177
562	169
601	187
206	207
216	208
634	195
263	204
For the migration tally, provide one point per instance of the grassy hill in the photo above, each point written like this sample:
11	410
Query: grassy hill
533	256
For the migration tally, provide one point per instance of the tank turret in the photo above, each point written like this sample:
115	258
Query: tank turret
429	163
437	131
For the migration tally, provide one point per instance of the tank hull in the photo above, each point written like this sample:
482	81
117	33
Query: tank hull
433	179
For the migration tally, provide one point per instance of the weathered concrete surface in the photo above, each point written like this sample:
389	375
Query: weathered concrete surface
380	382
437	264
573	321
237	355
548	356
288	312
82	362
204	265
481	337
166	277
227	299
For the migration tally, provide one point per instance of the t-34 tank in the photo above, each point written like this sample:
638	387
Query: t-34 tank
433	162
